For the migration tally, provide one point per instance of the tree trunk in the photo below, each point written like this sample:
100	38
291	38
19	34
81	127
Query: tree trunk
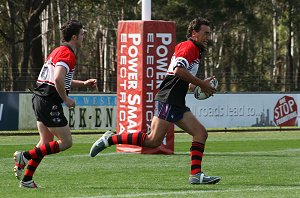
59	13
99	59
34	10
274	41
106	60
26	53
289	56
37	49
45	23
297	83
13	58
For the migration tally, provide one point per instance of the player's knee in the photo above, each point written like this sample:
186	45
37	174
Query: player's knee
204	134
201	136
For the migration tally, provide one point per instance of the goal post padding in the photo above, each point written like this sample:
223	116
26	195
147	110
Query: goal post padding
144	51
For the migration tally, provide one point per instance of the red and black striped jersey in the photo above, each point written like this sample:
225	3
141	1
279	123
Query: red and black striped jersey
173	90
61	56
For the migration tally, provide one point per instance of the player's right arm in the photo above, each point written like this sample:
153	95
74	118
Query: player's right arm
59	79
183	65
185	75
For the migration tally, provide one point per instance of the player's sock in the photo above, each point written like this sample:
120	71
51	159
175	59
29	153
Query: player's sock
128	138
196	153
31	167
40	152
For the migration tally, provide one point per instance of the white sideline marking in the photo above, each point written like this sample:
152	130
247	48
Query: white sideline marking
247	152
268	188
279	152
187	153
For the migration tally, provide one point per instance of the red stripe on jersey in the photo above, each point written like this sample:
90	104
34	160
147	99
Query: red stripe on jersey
187	50
63	54
45	81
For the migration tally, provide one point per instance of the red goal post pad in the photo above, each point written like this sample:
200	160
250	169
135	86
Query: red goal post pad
144	51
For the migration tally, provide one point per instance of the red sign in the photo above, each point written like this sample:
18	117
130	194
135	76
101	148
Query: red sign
285	112
144	52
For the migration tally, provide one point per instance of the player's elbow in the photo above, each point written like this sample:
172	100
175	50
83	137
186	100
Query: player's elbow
177	70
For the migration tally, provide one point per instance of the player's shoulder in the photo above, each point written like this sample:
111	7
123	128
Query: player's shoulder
187	44
63	52
65	49
188	50
59	50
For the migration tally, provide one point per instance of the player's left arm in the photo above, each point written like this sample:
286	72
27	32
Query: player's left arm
87	83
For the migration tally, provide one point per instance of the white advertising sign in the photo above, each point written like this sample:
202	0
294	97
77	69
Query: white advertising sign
98	111
92	111
242	110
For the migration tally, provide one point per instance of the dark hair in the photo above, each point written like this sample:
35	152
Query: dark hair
196	25
70	28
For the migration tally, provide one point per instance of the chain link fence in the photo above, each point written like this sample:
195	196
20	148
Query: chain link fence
107	81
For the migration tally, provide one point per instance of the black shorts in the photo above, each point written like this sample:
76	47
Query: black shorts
168	112
48	112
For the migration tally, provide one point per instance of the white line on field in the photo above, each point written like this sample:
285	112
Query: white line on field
267	188
279	152
187	153
248	152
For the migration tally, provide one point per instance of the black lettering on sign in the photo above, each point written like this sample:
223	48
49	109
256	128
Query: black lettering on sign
109	113
71	117
82	117
98	120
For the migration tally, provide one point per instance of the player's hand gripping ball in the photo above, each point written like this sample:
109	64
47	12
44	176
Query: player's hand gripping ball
201	95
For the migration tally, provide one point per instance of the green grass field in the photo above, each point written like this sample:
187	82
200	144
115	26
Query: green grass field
260	164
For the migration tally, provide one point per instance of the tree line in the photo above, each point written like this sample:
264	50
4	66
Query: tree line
254	45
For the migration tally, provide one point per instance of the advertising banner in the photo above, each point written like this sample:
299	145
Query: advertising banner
99	111
9	111
285	111
92	111
144	51
27	120
246	110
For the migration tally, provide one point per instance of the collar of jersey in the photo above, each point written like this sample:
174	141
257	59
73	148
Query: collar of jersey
201	48
68	46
